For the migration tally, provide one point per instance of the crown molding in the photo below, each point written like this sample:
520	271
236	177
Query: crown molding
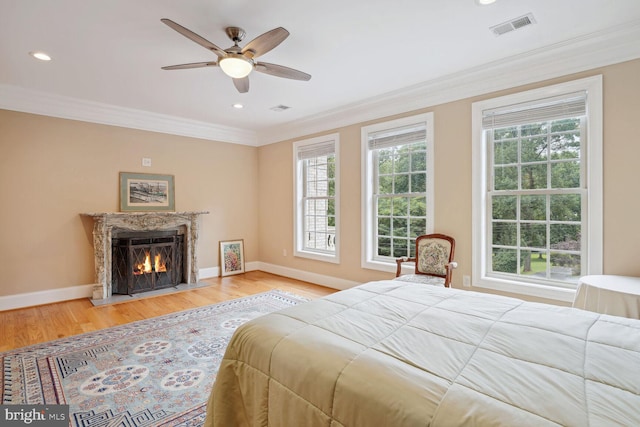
588	52
30	101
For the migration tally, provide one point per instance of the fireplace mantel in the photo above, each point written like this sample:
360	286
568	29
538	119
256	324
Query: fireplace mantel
108	223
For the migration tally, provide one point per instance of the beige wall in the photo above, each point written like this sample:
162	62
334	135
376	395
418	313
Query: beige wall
453	183
53	169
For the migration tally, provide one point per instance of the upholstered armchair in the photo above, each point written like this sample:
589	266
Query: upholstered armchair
433	261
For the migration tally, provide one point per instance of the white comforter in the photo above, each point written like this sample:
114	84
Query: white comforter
390	353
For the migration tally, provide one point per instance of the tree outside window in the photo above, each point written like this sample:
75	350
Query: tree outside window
537	189
536	199
397	188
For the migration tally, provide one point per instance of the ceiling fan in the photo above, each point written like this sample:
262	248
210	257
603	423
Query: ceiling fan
237	62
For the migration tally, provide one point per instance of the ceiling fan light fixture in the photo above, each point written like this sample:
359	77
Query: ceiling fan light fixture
236	66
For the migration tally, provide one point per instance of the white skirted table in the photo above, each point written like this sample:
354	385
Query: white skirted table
608	294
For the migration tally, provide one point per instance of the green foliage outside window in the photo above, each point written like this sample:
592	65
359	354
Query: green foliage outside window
401	198
529	219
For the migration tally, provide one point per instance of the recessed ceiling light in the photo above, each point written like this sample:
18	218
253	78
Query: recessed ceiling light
238	105
40	55
484	2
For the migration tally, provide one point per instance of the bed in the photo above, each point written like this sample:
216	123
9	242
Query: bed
392	353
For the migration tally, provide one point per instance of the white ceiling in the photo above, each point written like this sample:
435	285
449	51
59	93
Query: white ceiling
364	56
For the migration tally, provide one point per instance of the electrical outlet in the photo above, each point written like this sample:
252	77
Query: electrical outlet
284	252
466	281
146	161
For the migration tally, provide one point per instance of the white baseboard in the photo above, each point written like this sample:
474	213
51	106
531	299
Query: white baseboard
207	273
30	299
252	266
317	279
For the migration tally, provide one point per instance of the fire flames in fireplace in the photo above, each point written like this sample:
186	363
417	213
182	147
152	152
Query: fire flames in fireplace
146	261
159	265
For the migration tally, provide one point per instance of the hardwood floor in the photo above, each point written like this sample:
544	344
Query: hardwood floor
22	327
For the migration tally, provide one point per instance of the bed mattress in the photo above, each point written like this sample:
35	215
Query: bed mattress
391	353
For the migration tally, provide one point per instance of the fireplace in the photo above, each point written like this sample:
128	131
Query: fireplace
113	226
146	261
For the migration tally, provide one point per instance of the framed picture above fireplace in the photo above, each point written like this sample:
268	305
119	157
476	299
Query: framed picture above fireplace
231	257
146	192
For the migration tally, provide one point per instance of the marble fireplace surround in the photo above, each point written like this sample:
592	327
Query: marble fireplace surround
109	224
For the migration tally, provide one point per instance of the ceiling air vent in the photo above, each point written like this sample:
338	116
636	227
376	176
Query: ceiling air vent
279	108
514	24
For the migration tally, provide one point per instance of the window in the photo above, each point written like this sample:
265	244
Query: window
397	188
537	223
316	169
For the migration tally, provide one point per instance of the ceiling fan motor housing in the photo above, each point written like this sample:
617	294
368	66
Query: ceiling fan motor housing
235	33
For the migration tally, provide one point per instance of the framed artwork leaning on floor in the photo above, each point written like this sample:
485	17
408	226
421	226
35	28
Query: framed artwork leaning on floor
231	257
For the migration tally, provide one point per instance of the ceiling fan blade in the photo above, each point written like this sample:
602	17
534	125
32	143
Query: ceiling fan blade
265	42
242	84
194	37
192	65
281	71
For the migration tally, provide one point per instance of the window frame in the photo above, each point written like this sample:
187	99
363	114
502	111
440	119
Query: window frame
299	181
592	185
369	229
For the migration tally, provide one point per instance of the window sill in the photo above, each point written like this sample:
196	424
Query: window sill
388	267
334	259
529	289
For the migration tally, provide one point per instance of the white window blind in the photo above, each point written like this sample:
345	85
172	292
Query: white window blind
572	105
316	150
397	136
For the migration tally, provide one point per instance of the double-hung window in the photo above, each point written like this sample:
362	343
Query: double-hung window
397	188
316	169
538	189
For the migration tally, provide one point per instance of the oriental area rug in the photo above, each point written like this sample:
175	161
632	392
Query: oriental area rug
154	372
